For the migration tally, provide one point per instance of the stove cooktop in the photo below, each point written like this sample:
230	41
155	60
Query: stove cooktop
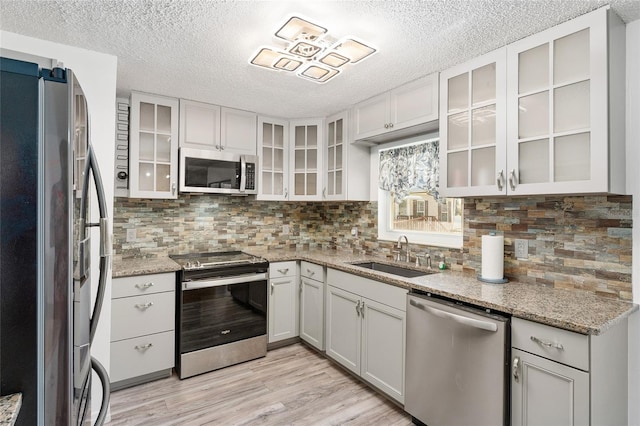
214	260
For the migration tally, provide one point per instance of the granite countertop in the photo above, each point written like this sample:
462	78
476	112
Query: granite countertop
574	310
9	408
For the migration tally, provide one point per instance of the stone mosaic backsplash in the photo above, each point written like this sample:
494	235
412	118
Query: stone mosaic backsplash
574	242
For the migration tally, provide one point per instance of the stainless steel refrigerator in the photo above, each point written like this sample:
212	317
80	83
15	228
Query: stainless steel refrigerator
46	318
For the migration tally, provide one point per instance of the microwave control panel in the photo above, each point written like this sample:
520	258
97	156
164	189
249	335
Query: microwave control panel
251	176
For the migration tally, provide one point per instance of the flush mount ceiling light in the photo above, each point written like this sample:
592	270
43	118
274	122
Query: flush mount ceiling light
309	52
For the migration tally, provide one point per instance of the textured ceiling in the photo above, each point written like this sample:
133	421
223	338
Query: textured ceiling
200	49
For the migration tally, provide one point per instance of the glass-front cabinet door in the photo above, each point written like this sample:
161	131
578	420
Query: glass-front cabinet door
153	150
472	127
273	140
306	159
557	106
335	154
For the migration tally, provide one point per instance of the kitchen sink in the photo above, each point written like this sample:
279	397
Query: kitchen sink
391	269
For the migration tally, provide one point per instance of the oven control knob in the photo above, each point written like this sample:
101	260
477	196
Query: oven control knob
188	265
197	265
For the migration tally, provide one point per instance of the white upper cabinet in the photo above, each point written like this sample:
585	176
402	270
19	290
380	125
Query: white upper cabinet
472	127
153	150
273	139
346	174
306	162
206	126
549	121
565	108
409	105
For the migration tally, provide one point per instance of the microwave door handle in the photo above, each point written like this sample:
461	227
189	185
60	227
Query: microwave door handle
243	173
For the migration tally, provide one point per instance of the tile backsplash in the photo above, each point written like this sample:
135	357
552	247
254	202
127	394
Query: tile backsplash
577	242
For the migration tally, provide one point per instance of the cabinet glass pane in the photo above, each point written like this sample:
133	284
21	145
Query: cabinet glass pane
278	136
338	156
533	161
147	117
457	167
278	159
299	184
458	128
278	187
331	135
330	183
533	69
338	182
163	177
533	115
572	156
164	119
312	159
300	160
267	134
483	166
311	184
163	148
312	135
571	107
458	96
331	164
267	159
339	125
483	84
300	137
571	57
483	131
146	176
146	148
266	183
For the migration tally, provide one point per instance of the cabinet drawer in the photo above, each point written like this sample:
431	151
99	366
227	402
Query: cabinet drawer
553	343
387	294
311	270
141	355
140	315
143	284
282	269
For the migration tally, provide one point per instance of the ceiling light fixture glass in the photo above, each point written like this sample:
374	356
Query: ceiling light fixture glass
309	52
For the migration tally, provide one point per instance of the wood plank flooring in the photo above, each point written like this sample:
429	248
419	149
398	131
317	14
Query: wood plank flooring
293	385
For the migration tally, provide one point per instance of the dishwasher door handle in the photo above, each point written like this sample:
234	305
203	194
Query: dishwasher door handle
483	325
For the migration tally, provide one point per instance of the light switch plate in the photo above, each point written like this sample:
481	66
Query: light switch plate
522	249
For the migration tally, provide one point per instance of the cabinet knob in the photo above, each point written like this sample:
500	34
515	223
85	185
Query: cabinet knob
386	125
390	125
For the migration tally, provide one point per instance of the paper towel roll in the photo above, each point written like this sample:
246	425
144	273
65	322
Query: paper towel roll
492	257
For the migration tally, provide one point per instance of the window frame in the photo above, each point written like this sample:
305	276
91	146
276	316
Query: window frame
385	233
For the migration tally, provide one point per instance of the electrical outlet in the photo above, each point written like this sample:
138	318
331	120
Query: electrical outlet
354	231
522	249
131	235
285	229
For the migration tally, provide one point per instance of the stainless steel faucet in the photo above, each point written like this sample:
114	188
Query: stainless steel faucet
428	257
399	246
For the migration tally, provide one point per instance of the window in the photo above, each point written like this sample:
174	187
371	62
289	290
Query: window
408	199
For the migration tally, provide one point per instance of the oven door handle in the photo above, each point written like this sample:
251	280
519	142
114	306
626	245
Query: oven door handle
216	282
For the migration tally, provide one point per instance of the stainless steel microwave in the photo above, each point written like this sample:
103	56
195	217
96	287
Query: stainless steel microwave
209	171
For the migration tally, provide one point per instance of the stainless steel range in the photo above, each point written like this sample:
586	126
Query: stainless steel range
221	310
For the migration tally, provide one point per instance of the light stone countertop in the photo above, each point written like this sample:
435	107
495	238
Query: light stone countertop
9	408
573	310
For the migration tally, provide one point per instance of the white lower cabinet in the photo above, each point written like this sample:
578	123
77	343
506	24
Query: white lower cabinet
283	301
559	377
312	286
142	329
366	329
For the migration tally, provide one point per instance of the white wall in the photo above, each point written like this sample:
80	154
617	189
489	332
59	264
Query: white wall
96	72
633	188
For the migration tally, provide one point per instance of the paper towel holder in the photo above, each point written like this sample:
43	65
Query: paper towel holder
492	280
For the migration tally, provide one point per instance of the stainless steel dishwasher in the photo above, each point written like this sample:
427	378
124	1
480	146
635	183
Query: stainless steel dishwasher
456	363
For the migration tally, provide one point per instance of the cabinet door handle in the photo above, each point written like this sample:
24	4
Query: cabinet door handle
283	271
516	369
500	180
324	193
310	272
143	306
221	147
548	344
362	310
173	188
286	193
358	308
272	287
513	180
144	286
143	347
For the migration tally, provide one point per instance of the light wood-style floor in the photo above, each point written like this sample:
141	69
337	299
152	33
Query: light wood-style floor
293	385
